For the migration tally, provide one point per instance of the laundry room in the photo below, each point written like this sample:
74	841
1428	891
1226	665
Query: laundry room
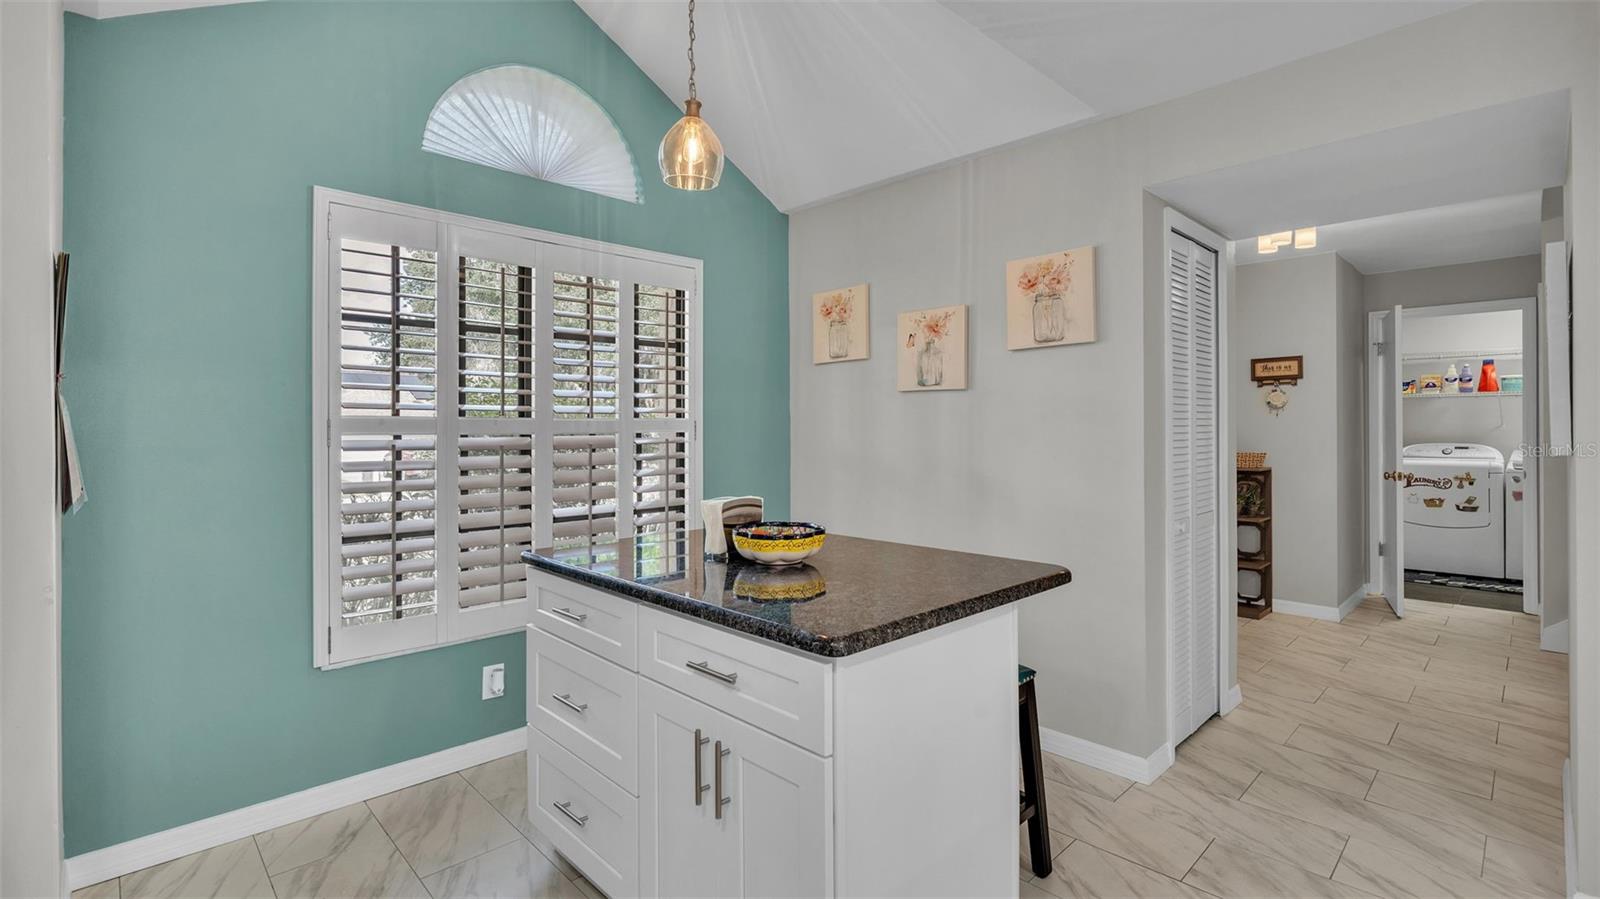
1463	390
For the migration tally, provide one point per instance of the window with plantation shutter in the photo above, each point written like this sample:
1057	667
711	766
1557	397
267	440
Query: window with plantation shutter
484	389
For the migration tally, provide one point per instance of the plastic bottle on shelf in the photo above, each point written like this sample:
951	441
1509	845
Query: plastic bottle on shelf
1488	382
1464	379
1452	380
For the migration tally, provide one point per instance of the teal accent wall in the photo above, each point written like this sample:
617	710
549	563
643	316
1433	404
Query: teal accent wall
193	140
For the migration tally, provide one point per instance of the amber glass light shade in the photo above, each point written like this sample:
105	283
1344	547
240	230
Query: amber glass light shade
691	155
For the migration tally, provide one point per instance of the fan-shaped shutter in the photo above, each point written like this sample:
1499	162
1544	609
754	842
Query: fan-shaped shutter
531	122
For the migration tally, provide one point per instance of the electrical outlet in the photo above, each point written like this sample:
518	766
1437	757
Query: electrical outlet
494	681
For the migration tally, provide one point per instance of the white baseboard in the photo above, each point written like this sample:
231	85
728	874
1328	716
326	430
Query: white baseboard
1231	700
1122	764
1568	836
124	858
1322	612
1318	611
1554	637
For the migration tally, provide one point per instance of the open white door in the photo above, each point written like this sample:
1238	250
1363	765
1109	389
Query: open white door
1392	548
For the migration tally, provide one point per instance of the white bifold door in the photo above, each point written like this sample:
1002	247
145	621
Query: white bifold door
1194	588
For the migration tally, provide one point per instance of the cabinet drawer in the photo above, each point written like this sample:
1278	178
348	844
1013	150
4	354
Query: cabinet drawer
777	691
591	820
605	625
586	704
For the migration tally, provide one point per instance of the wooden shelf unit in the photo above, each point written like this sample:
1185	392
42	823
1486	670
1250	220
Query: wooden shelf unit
1258	516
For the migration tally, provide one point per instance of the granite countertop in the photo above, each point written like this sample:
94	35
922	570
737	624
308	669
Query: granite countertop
852	595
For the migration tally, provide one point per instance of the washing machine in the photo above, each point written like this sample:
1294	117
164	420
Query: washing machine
1516	476
1455	523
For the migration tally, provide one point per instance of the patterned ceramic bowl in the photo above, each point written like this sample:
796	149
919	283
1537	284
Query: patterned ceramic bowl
778	542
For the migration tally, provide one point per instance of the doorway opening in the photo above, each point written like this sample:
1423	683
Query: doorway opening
1379	272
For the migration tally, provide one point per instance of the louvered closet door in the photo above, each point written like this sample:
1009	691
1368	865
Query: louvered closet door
1192	462
495	360
382	434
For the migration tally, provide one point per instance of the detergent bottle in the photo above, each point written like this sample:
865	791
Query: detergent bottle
1464	380
1488	382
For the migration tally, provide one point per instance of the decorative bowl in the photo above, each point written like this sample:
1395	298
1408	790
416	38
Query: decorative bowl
778	542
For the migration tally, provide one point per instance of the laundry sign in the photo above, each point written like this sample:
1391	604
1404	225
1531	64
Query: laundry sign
1277	370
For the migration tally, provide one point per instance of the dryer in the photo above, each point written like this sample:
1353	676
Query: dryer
1455	525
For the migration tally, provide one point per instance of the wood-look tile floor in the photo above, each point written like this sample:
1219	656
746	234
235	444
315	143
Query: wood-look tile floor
1371	757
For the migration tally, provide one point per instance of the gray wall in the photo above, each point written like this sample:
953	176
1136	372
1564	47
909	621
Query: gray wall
30	231
1350	353
1055	453
1496	279
1308	306
1493	421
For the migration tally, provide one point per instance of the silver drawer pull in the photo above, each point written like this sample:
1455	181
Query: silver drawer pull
566	700
574	617
706	669
565	808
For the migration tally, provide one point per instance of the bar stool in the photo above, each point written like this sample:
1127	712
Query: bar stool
1032	799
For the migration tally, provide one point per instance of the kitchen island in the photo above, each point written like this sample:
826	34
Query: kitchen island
847	726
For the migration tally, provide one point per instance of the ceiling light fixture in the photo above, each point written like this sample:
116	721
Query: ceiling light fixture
1305	238
1268	244
691	154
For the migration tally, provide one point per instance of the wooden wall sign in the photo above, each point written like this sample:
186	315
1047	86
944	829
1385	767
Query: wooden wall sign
1277	370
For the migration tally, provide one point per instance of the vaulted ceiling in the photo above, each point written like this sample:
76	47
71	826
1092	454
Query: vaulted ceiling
820	98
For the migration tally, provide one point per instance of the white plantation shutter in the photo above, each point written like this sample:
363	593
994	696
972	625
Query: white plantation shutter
1192	446
486	389
380	475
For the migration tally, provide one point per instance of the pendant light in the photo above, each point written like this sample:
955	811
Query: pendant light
691	155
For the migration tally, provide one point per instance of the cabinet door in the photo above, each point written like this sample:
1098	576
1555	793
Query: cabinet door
682	852
774	836
778	822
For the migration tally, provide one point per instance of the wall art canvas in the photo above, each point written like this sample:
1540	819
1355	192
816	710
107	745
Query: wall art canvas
932	348
1050	300
839	325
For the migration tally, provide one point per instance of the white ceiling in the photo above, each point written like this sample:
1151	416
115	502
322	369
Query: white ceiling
1490	152
1495	228
816	99
1120	56
110	9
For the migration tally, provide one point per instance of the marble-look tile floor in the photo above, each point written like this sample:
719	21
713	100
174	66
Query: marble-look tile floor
463	835
1372	757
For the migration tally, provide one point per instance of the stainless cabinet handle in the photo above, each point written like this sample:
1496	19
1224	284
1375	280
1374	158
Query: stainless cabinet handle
574	617
566	700
721	799
565	808
706	669
699	788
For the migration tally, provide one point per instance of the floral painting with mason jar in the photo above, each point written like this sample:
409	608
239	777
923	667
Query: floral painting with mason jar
932	349
1050	300
839	325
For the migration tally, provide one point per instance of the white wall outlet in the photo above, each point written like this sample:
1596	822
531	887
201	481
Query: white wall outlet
494	681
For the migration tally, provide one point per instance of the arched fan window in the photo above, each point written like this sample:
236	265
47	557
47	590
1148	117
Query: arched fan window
531	122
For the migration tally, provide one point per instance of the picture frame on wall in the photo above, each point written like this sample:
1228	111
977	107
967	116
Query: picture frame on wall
931	349
1050	300
839	325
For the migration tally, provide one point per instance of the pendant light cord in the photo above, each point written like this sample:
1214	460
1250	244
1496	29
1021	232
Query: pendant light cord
691	50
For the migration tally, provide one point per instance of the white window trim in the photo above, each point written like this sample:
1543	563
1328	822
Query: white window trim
323	397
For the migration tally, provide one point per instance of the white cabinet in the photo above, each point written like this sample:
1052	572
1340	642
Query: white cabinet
726	809
668	756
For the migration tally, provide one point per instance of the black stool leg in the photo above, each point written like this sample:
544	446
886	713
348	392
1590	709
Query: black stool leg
1033	782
